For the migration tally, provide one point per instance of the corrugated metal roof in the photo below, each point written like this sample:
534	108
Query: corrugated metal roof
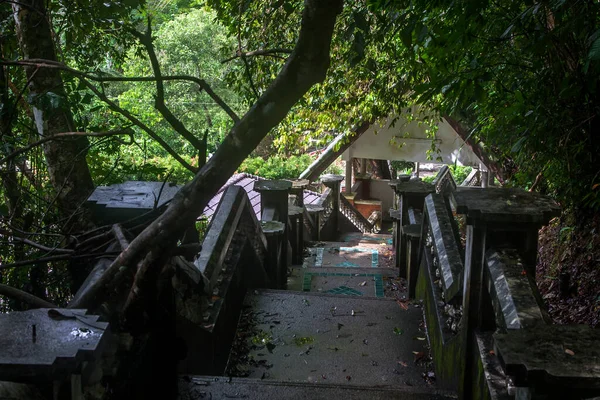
246	181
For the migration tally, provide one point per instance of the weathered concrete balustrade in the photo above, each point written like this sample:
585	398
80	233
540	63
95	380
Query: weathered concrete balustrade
489	333
496	218
233	258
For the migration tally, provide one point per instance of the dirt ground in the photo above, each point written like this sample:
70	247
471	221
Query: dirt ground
568	270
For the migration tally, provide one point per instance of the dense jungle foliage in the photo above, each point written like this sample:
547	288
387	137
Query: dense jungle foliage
139	86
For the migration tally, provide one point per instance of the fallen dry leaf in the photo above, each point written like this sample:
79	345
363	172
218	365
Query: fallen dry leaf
419	355
364	283
402	304
403	363
570	352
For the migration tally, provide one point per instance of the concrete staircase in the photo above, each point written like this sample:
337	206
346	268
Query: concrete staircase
343	328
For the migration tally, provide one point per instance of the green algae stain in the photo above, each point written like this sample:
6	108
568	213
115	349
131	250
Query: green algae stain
301	341
262	338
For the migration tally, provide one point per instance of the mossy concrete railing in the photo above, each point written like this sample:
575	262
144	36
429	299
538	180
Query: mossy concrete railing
234	257
490	336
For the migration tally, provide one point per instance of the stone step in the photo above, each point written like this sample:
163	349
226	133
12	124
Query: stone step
366	238
340	340
342	255
210	387
361	281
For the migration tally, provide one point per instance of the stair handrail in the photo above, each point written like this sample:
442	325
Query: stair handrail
444	181
355	216
473	179
233	211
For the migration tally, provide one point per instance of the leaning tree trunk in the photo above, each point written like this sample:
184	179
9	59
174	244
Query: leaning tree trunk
8	174
66	163
306	66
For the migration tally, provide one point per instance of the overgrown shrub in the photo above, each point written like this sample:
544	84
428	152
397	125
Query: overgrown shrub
276	167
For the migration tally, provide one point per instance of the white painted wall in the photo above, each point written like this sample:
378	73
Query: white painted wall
384	142
381	190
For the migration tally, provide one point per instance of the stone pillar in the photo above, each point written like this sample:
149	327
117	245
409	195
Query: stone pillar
298	187
410	193
334	183
274	195
314	211
417	165
296	234
349	176
484	176
363	166
412	234
276	265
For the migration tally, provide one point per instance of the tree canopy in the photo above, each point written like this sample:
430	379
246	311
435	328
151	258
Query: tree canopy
520	77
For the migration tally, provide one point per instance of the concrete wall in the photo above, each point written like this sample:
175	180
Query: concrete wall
408	141
381	190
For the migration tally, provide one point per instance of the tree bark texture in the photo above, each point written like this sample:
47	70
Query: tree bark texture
8	174
67	166
306	66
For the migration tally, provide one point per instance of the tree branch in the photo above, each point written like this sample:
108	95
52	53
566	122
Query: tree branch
25	297
269	52
42	247
159	99
60	257
117	230
64	135
113	106
538	180
307	66
200	82
249	74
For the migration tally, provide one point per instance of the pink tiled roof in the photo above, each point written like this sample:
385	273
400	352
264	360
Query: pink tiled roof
246	181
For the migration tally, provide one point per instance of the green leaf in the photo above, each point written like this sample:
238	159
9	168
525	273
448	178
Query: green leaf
594	53
406	36
288	7
87	99
422	34
518	145
507	32
360	21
